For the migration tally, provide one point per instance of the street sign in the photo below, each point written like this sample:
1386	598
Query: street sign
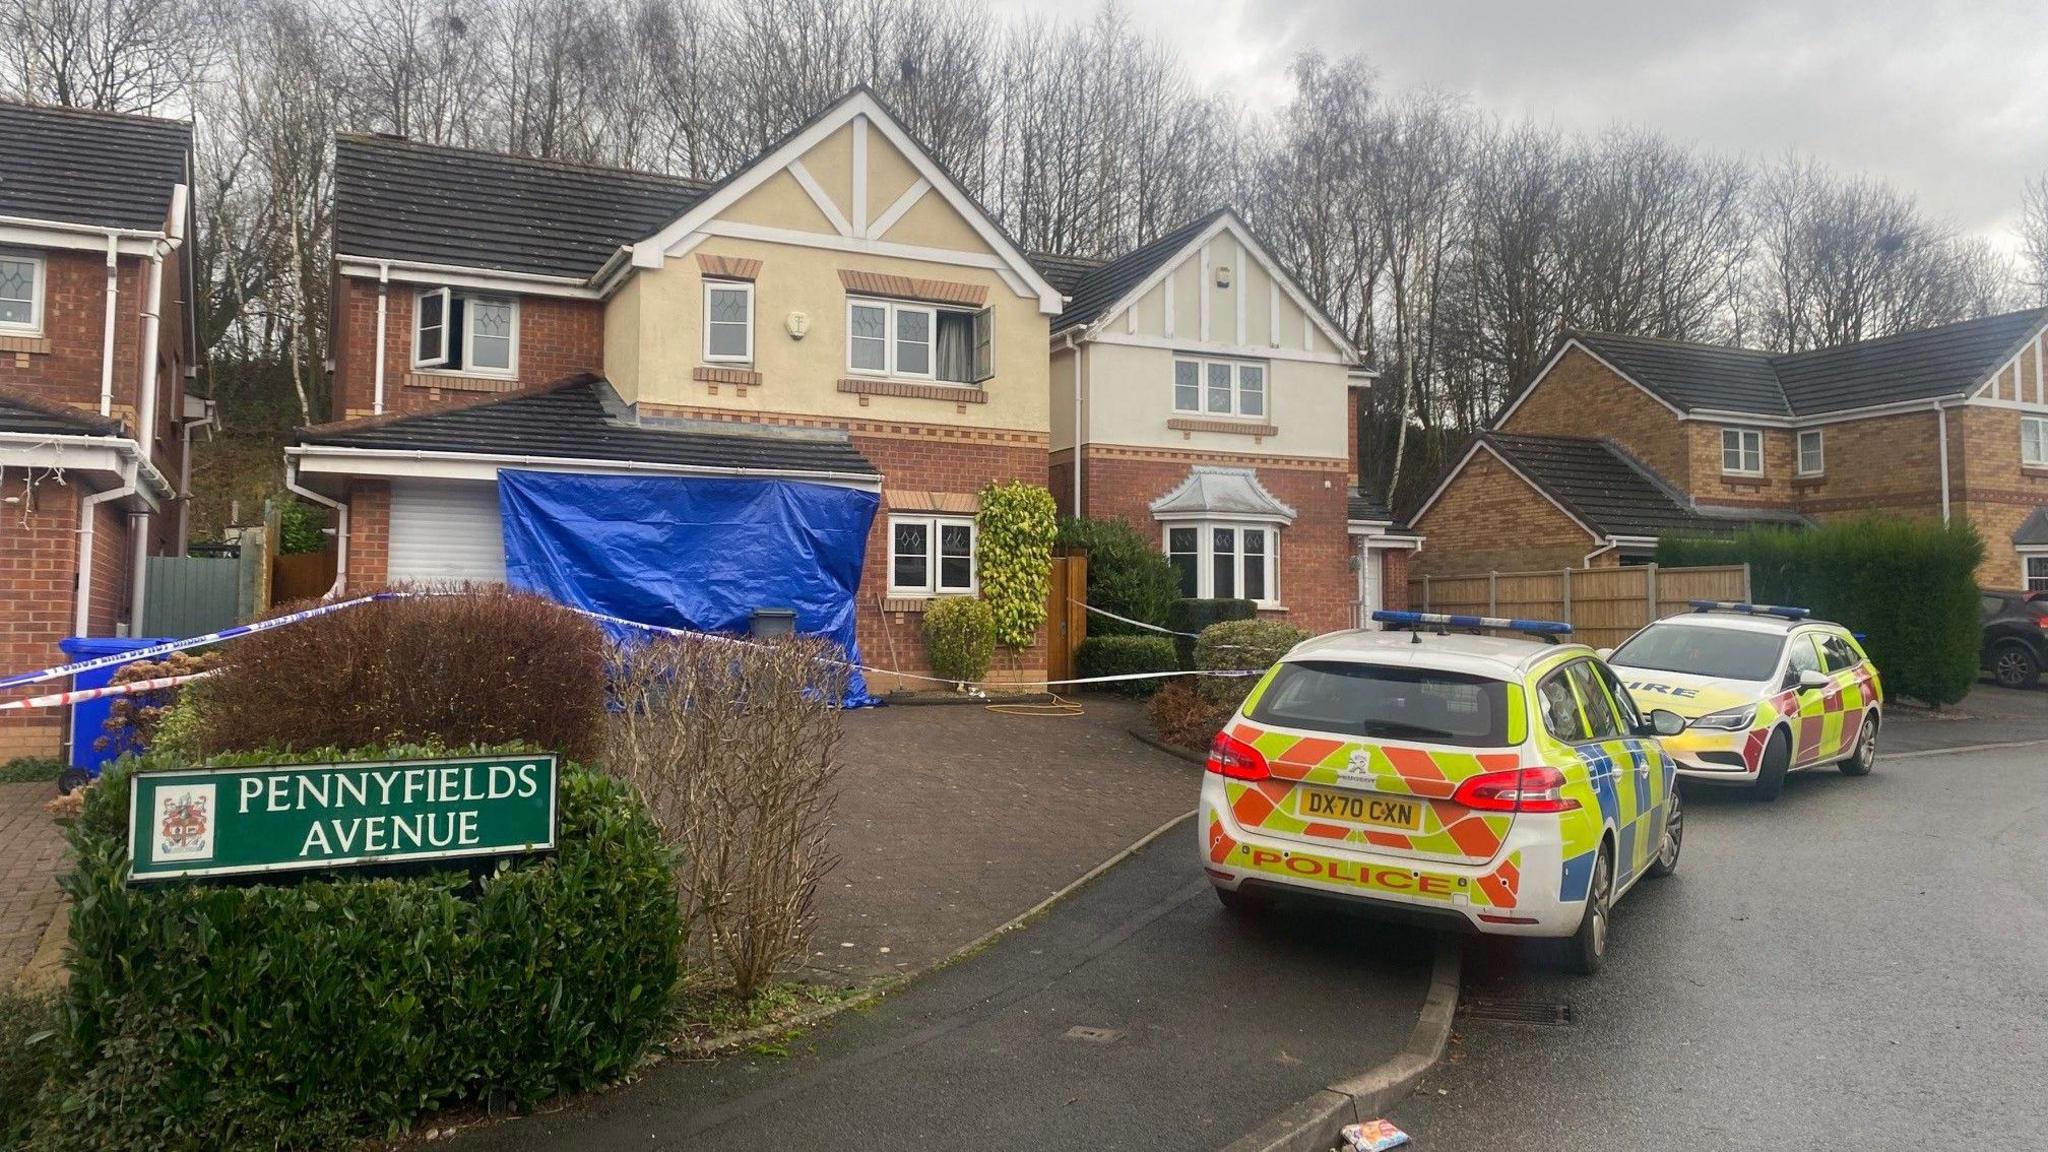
295	817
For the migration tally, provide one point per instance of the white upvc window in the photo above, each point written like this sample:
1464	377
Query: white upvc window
21	293
1208	387
1812	454
2034	571
2034	441
1742	451
919	341
466	332
931	555
1225	561
729	321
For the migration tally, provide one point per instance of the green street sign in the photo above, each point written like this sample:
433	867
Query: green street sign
295	817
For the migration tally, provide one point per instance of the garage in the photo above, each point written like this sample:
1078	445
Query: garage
446	530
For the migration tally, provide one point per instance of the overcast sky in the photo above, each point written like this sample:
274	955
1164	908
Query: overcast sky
1947	100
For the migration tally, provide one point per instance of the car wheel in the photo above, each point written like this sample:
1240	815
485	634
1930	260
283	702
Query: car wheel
71	780
1587	948
1770	776
1864	758
1673	841
1240	902
2013	665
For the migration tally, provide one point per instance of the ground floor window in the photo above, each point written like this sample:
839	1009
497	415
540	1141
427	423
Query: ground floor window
931	554
2036	572
1225	561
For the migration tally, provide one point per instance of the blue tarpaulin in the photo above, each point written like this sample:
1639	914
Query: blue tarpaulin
690	552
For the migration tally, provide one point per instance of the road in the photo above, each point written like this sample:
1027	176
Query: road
1860	965
1217	1024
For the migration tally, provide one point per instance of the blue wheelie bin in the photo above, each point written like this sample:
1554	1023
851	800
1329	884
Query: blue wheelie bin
89	717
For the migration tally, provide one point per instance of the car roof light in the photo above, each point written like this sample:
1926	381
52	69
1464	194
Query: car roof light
1550	628
1750	609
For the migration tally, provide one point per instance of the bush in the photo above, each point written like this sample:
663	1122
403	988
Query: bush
294	1016
483	666
1190	616
1013	539
31	770
301	528
27	1016
1908	585
734	749
1241	646
132	720
1127	574
959	638
1182	714
1121	655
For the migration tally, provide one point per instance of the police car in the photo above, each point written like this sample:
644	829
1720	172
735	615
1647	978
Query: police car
1494	783
1765	690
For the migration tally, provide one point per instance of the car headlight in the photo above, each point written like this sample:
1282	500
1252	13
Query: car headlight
1728	719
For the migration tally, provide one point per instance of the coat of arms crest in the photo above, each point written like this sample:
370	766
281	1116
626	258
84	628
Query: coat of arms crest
184	821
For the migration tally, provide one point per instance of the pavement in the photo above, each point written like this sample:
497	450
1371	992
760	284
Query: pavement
31	857
1858	965
1206	1024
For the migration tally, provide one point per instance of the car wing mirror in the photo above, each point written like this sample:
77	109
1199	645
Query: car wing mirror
1665	722
1603	653
1809	680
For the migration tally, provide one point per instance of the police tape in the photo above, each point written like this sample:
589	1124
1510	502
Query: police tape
59	699
1135	623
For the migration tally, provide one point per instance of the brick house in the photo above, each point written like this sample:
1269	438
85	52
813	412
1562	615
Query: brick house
1212	405
1620	440
837	312
95	341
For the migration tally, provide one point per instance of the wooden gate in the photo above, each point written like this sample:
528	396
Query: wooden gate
301	576
1066	614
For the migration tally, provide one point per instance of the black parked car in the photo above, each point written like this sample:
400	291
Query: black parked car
2015	636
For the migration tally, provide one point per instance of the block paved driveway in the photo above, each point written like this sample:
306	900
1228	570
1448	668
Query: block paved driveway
31	856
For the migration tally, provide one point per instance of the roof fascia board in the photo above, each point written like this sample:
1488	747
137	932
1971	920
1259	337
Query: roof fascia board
1524	477
406	463
83	452
859	104
2010	405
800	238
1221	517
1894	408
79	238
1571	342
1200	349
457	276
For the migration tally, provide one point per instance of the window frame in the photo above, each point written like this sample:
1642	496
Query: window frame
934	524
1237	389
981	353
38	289
2028	558
440	365
1742	436
2038	442
1205	555
1820	453
744	287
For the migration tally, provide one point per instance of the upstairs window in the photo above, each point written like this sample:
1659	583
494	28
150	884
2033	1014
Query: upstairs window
1219	387
1742	451
466	332
919	341
729	321
2034	441
1812	460
21	293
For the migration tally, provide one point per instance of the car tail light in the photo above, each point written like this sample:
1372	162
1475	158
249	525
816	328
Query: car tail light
1539	789
1229	756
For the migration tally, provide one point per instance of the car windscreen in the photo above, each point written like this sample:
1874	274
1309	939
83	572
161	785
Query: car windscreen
1383	702
1719	653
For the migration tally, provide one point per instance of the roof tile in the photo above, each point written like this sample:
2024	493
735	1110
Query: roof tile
95	168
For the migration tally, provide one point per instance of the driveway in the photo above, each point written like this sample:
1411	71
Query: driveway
1988	715
31	856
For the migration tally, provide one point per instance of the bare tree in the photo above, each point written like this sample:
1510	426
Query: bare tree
109	55
2034	238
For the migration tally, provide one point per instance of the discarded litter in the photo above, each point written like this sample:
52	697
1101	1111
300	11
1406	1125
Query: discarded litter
1373	1136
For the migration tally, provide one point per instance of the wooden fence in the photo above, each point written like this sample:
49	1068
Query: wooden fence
1603	605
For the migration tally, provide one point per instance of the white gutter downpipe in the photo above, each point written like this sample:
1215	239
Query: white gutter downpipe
87	508
291	484
1078	359
1602	550
145	400
383	292
1941	423
185	477
107	341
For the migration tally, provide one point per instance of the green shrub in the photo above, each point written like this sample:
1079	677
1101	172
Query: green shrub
1127	574
959	637
31	770
27	1017
486	666
1241	646
1190	616
1909	586
1013	535
1121	655
301	528
340	1007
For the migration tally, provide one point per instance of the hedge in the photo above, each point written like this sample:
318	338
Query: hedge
1909	586
1127	574
341	1007
1241	646
1120	655
1190	616
959	638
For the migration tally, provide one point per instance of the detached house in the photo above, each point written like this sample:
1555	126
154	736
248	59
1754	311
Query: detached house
518	340
95	340
1201	396
1620	440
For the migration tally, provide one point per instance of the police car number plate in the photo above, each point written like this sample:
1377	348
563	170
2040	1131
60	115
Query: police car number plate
1403	812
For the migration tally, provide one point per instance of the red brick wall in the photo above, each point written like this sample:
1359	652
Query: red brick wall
1316	582
38	564
112	565
369	535
557	338
1394	579
1580	396
1489	519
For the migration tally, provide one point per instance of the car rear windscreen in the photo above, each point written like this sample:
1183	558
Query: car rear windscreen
1720	653
1389	703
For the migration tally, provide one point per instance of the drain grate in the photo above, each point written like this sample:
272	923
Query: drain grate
1519	1012
1089	1035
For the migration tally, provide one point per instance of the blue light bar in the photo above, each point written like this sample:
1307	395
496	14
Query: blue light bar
1497	623
1750	609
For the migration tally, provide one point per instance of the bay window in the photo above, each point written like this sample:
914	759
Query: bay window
466	332
1225	561
1219	387
931	555
919	341
21	293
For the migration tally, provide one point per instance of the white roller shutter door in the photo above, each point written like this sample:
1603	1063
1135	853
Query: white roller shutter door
446	530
